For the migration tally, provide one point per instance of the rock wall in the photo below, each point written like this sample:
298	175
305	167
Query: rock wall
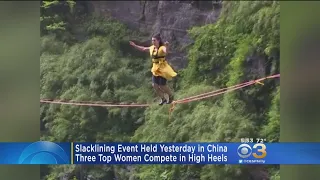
170	18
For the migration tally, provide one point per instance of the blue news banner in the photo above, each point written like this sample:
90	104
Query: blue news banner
44	152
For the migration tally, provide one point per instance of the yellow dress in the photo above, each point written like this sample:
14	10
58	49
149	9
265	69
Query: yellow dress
160	67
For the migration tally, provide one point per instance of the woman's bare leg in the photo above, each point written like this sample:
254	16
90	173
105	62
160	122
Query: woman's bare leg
157	89
165	89
159	93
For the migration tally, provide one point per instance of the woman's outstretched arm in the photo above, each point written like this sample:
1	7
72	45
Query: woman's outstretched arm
141	48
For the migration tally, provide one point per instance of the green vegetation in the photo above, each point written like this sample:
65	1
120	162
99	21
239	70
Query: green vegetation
96	63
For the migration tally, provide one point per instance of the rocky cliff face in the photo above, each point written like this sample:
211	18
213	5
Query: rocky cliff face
170	18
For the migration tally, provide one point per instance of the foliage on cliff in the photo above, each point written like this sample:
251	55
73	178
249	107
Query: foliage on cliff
104	68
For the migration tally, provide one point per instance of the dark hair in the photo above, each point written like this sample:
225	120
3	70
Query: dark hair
158	37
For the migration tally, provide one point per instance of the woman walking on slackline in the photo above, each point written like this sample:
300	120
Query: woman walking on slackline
161	70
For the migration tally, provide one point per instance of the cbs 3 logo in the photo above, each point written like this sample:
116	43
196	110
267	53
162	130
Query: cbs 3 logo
244	151
44	152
